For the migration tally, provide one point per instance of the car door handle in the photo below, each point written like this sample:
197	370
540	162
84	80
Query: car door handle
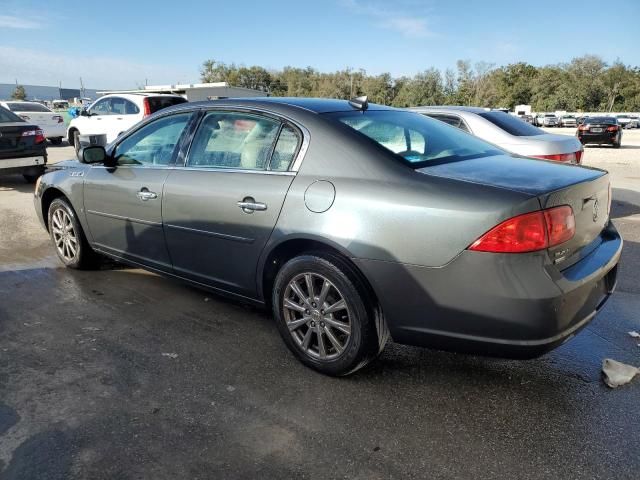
249	205
144	194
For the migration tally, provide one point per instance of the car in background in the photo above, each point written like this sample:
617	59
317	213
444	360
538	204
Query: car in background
508	132
600	131
113	114
545	120
526	118
34	112
352	222
23	147
567	121
627	121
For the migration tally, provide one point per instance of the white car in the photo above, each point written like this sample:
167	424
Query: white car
49	121
116	113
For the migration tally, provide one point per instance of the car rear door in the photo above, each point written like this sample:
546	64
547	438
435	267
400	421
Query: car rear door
220	208
123	205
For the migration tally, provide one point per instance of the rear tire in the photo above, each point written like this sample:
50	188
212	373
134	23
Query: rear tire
68	237
56	141
334	328
32	177
617	143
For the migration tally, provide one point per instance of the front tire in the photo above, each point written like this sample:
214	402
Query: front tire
325	316
76	143
68	237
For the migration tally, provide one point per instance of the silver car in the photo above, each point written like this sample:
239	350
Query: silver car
351	222
508	132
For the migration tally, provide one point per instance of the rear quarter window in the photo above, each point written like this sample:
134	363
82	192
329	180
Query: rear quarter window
511	124
158	103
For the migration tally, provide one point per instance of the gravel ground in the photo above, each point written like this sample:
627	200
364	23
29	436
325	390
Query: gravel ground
122	374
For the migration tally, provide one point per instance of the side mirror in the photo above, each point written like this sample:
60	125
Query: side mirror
84	112
94	154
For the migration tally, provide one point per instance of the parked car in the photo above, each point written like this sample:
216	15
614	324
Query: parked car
508	132
22	147
545	120
627	121
526	118
351	221
49	121
567	121
116	113
601	131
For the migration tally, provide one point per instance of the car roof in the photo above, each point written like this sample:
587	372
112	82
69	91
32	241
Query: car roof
316	105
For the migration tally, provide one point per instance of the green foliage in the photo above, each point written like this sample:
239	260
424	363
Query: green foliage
19	93
586	83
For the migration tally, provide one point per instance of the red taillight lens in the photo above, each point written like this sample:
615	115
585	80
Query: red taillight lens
39	134
583	128
529	232
573	157
612	128
146	107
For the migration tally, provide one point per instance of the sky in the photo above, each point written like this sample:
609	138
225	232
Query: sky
124	44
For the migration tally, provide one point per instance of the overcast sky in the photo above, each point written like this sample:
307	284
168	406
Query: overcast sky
122	44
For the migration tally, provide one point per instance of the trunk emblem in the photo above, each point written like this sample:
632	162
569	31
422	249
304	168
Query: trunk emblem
595	210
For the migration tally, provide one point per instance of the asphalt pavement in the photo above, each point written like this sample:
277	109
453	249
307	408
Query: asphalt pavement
122	374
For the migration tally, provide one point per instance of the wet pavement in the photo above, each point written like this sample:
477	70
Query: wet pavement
122	374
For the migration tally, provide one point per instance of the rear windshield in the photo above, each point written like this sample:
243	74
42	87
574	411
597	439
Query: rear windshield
158	103
609	120
419	140
7	117
512	125
27	107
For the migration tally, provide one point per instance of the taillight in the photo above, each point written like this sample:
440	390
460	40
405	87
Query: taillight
583	128
38	134
57	118
529	232
146	106
573	157
612	128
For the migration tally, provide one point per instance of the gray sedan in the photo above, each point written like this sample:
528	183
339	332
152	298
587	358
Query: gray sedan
508	132
352	222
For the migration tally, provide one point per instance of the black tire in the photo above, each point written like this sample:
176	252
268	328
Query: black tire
618	142
84	258
76	143
368	332
56	141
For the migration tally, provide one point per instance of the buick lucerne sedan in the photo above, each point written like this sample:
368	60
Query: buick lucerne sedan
353	222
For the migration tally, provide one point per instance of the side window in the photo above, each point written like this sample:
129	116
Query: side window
153	144
233	140
102	107
120	106
285	150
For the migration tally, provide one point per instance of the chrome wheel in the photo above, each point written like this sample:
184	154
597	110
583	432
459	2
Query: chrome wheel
317	316
64	236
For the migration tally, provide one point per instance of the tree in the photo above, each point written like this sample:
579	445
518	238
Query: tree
19	93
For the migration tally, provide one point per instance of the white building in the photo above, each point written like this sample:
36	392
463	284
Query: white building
195	92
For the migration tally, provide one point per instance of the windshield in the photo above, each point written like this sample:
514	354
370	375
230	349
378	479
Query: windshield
27	107
7	117
610	120
416	138
510	124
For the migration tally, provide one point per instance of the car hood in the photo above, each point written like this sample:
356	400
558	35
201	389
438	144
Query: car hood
546	144
526	175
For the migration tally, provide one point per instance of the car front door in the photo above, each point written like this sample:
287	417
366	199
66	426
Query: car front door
221	207
98	118
123	205
125	114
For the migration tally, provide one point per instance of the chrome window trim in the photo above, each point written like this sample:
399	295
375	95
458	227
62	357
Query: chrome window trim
203	169
295	165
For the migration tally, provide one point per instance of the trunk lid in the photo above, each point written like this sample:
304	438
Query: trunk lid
546	144
12	143
585	190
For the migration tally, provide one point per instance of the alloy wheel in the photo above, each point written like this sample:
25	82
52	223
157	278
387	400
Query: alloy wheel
317	316
64	235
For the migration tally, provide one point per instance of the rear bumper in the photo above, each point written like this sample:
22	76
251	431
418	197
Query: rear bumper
55	131
516	306
605	137
22	164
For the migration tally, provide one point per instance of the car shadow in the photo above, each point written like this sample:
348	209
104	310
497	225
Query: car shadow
625	203
16	183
